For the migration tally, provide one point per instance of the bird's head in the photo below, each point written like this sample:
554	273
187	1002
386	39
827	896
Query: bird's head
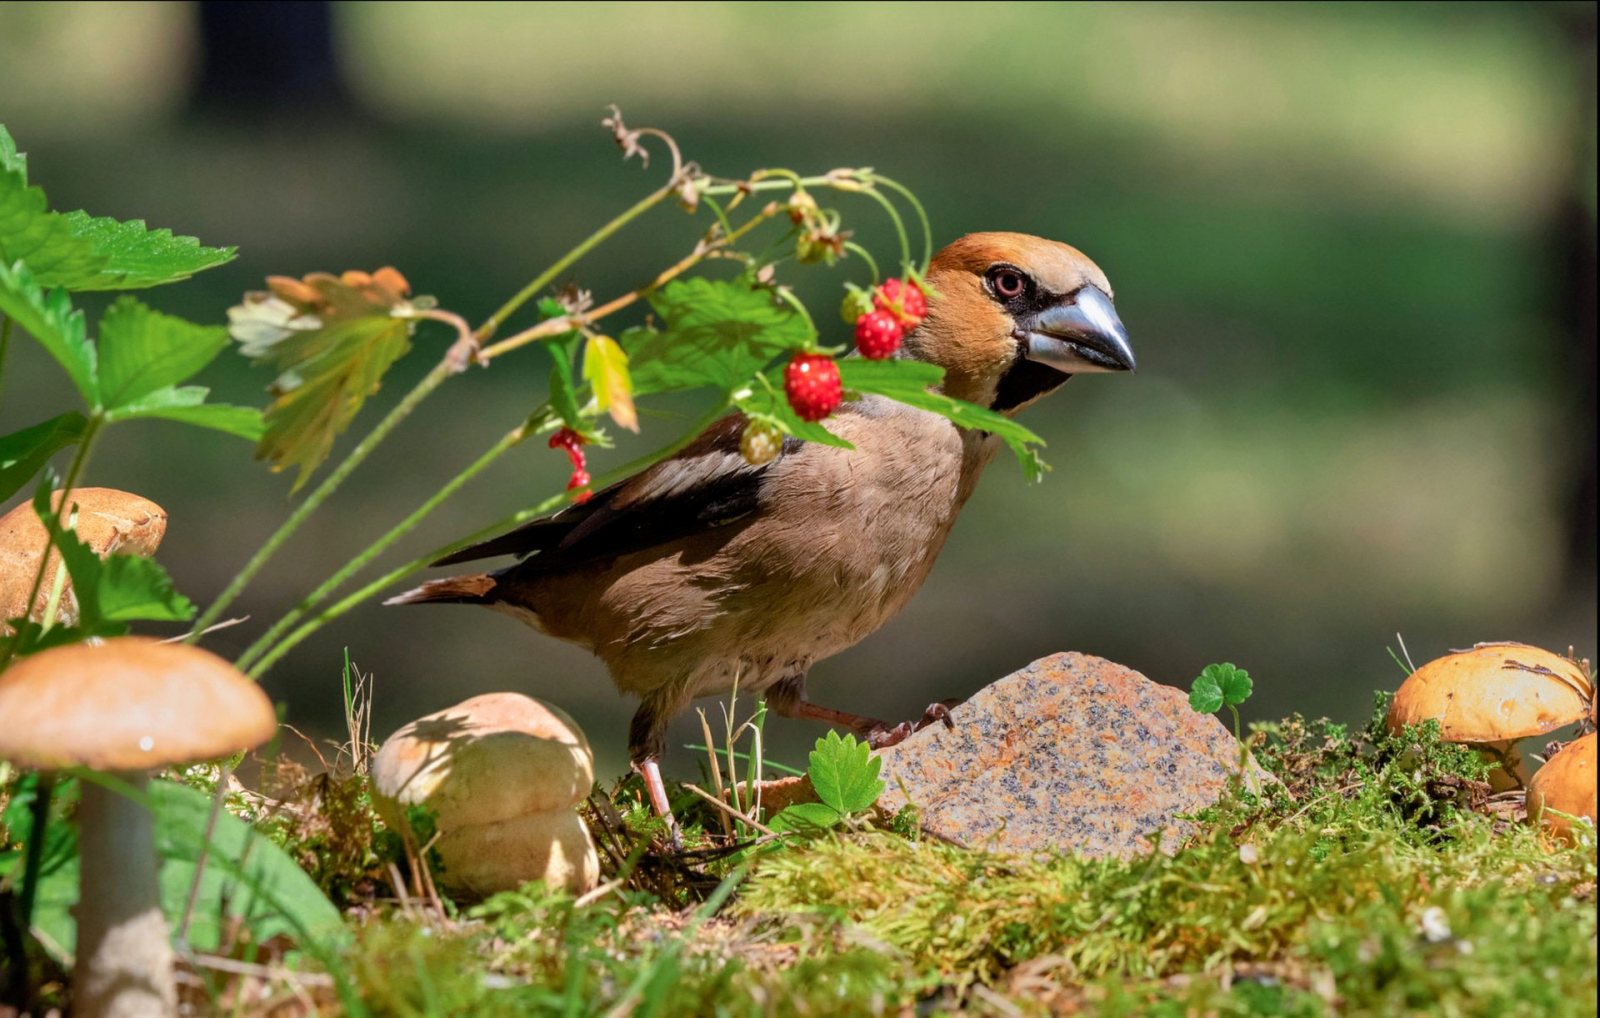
1011	317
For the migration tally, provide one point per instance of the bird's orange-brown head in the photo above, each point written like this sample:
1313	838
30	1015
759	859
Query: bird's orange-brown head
1012	316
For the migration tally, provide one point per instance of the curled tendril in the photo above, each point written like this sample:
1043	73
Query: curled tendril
630	140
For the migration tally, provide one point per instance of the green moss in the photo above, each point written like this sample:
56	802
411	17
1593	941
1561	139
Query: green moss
1372	879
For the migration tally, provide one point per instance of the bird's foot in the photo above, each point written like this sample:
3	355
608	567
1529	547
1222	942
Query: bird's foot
650	771
882	734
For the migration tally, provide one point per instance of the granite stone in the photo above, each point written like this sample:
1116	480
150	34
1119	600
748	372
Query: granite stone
1071	753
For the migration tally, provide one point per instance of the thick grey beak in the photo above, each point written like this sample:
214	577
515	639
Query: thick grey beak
1082	336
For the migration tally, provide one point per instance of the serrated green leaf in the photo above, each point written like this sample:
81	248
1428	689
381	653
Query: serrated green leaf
50	319
328	368
844	772
142	350
136	256
718	333
23	452
605	368
10	158
186	404
31	233
77	251
114	589
907	381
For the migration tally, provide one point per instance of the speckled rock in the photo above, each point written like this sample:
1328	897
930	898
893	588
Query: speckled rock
1072	752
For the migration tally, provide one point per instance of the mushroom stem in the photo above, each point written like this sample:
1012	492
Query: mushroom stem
124	958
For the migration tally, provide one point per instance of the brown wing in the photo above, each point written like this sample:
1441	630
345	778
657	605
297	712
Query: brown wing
707	484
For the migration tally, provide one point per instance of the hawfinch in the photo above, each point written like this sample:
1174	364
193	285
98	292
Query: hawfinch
704	571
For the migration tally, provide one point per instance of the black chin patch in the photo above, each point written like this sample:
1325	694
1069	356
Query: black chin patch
1026	380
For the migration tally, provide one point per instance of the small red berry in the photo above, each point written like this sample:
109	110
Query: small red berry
905	300
572	443
878	335
760	443
811	381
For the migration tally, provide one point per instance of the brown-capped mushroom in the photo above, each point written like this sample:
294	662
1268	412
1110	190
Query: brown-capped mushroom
1565	785
501	774
1492	696
105	519
123	708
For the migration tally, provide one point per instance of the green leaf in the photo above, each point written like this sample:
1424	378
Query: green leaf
247	879
77	251
844	772
1205	696
718	333
605	368
765	400
31	233
186	404
23	453
137	256
562	349
10	158
1232	682
49	318
115	589
330	359
142	350
907	381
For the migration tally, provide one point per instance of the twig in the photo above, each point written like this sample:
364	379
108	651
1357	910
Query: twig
713	800
224	624
232	966
590	897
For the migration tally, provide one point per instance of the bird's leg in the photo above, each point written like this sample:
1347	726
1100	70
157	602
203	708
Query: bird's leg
788	699
644	748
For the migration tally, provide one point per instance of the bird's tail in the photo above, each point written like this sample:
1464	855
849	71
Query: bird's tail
474	588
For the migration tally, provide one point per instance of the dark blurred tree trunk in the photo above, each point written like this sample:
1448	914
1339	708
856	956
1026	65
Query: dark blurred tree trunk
1571	233
268	58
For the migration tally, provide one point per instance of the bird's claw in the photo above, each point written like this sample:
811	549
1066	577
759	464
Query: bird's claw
882	735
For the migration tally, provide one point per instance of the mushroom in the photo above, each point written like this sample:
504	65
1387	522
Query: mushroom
123	708
1565	784
501	773
107	520
1493	695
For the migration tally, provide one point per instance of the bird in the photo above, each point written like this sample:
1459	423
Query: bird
703	571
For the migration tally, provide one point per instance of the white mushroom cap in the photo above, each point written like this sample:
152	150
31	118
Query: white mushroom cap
490	758
107	521
128	704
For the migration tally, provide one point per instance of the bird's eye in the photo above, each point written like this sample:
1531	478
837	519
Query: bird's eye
1007	282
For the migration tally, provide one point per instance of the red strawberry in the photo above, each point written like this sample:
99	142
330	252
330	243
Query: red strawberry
811	381
905	300
878	335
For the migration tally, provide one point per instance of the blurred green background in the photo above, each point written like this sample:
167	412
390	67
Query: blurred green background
1354	246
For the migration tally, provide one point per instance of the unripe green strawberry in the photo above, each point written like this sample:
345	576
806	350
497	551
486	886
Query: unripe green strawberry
760	442
857	302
